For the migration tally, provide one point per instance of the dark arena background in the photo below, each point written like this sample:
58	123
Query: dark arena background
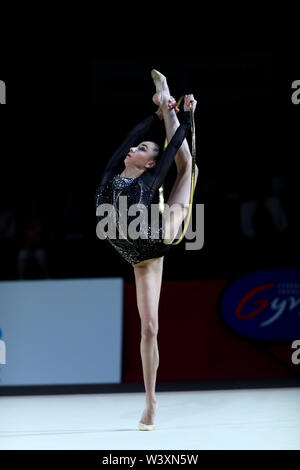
229	323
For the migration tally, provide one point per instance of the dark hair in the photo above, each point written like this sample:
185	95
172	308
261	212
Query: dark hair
156	151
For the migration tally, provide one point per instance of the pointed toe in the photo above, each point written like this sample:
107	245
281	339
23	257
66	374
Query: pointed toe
146	427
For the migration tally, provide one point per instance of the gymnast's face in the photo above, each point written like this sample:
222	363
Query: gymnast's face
141	156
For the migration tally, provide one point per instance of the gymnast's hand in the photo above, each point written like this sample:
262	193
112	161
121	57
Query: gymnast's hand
171	105
187	100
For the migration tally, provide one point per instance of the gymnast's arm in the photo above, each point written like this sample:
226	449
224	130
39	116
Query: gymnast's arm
132	139
155	177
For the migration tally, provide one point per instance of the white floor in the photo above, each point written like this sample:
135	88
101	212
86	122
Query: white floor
222	419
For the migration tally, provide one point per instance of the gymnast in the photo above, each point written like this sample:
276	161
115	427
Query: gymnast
145	171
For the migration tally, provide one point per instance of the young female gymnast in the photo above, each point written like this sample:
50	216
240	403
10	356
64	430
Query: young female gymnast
139	181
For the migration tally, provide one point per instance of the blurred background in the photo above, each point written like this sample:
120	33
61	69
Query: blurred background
55	158
80	111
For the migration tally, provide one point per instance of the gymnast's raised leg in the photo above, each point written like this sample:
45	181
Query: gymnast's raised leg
178	201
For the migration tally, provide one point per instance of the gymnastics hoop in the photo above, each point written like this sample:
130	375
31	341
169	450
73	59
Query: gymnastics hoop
161	190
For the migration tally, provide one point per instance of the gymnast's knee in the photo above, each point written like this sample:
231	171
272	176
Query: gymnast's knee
149	330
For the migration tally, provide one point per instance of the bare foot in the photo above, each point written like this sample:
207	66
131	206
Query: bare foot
149	413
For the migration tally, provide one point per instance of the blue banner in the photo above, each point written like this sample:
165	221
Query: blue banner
264	304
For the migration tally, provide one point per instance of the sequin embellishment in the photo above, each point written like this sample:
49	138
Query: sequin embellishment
120	182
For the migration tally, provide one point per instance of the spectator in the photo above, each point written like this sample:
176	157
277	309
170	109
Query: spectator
262	213
7	224
274	204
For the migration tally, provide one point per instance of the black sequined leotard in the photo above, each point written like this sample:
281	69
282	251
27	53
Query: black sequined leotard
140	190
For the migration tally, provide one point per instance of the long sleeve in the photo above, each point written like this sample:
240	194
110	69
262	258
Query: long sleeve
155	177
132	139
